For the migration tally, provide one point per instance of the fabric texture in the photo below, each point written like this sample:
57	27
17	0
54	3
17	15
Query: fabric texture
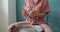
36	5
39	6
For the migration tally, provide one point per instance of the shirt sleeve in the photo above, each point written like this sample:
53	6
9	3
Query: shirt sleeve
43	6
46	7
26	6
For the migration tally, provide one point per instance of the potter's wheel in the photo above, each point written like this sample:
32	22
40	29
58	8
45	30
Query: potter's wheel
30	28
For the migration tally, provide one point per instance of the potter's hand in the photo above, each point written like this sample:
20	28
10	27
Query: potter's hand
32	14
41	14
25	13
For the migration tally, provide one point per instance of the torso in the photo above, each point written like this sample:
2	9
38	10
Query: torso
39	5
36	21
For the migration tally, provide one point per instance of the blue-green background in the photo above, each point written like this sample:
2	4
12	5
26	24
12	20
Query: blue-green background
53	17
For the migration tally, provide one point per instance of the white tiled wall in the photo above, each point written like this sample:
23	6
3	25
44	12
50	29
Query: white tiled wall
12	11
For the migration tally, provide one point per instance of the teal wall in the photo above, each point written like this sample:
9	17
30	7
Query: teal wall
53	17
19	5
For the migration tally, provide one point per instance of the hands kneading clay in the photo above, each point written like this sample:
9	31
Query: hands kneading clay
33	14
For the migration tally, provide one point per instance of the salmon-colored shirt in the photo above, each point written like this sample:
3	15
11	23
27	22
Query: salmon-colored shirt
37	5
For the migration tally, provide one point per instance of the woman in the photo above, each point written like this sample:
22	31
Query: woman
35	10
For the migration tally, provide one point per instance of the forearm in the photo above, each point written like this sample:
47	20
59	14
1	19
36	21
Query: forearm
15	25
46	28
